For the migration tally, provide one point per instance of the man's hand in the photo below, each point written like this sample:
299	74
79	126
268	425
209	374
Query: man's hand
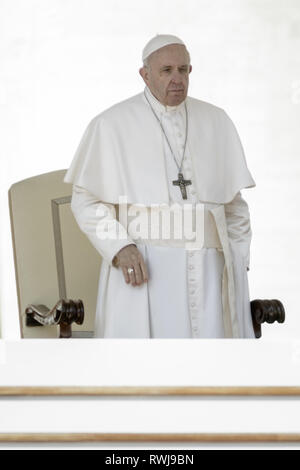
131	257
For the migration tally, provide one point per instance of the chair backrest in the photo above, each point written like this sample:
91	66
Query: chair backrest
53	257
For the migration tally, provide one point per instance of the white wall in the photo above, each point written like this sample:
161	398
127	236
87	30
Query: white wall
64	61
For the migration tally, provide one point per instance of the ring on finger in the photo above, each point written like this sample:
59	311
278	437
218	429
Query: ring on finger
130	270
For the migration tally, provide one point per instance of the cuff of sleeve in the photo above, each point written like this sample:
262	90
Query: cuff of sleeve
113	260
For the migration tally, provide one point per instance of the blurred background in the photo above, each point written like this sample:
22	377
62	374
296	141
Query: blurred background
65	61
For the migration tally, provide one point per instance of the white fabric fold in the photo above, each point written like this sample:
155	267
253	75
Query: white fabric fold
228	285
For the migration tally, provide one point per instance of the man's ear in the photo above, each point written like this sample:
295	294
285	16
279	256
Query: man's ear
191	68
144	74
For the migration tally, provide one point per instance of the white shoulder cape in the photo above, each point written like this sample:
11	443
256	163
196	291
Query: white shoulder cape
121	154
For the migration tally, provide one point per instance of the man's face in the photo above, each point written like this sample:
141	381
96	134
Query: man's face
167	74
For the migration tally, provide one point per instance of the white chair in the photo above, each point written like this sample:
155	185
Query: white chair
53	259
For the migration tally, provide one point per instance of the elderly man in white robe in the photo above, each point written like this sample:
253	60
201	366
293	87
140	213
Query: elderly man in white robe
158	150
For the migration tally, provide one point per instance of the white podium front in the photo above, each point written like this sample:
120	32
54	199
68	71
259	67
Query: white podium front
105	391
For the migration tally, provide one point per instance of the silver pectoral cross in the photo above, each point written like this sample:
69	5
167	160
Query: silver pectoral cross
182	183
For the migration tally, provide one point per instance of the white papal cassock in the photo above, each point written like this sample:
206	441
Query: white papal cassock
191	292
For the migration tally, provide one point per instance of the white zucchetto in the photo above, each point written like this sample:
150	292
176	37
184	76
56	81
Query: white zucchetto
159	41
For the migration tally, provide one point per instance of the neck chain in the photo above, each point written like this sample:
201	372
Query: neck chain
181	182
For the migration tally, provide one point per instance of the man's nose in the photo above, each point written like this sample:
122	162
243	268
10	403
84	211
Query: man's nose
176	77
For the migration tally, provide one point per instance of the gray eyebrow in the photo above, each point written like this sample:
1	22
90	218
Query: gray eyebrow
168	66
